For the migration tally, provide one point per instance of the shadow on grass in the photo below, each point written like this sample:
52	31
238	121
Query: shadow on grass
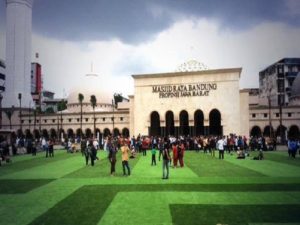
234	214
21	186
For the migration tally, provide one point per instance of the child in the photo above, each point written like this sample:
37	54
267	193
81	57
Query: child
153	152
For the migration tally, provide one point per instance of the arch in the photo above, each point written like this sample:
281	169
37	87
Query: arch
70	133
53	133
125	132
255	131
199	122
45	133
154	124
62	133
88	133
170	128
294	132
116	132
184	123
19	133
281	132
106	132
28	134
79	132
215	127
267	131
36	134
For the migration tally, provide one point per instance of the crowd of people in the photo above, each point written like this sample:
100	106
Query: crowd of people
170	149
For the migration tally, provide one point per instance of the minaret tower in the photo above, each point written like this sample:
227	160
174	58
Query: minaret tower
18	52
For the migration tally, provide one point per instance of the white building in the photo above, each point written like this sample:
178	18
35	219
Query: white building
18	52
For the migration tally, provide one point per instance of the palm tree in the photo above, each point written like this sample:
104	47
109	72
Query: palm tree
93	101
9	115
80	99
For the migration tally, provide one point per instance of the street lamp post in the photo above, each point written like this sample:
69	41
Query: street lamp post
29	120
20	111
113	118
1	97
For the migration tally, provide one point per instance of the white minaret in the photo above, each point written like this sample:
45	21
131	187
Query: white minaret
18	52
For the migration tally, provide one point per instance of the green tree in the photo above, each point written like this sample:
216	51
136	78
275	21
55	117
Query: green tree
118	98
80	99
93	101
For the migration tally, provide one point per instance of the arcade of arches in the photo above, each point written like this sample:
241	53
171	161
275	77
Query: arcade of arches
70	133
281	131
166	126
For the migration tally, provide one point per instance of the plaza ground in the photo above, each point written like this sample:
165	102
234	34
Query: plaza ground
207	191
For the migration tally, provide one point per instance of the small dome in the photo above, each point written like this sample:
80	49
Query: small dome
191	66
91	84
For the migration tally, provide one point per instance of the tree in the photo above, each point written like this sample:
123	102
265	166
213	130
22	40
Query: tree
80	99
93	101
118	98
9	114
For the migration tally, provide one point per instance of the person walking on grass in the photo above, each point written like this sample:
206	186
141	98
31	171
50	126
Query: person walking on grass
112	156
220	145
153	153
180	153
125	151
166	160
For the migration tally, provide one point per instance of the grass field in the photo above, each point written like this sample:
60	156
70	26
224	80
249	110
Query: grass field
207	191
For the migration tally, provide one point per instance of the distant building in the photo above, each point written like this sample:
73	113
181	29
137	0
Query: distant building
276	81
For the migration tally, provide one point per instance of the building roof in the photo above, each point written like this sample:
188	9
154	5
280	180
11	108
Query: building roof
178	74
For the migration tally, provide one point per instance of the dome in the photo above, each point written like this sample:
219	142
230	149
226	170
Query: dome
91	84
192	66
295	91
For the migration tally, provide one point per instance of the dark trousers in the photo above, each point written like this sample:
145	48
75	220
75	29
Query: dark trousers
92	160
86	159
221	154
144	151
160	154
112	166
153	160
125	164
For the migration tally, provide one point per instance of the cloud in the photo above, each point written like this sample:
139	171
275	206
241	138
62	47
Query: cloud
65	62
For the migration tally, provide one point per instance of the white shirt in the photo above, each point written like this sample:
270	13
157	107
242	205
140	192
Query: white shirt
220	144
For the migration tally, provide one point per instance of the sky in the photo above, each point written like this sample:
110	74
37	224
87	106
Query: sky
124	37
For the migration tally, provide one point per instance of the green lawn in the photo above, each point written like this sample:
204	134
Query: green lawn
207	191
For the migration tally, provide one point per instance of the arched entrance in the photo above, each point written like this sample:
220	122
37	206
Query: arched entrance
88	133
70	133
79	133
106	132
125	132
255	131
184	123
154	124
45	133
36	134
116	132
215	127
268	131
198	123
294	132
53	134
170	128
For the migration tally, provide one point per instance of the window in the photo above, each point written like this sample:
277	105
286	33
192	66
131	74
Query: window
70	120
122	118
289	114
37	121
86	120
22	121
277	115
45	121
78	120
265	115
112	119
29	121
253	115
103	119
53	121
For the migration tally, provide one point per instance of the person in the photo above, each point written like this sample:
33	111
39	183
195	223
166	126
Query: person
166	159
153	153
83	146
161	148
50	147
180	154
112	156
125	150
220	145
292	147
87	153
175	154
260	155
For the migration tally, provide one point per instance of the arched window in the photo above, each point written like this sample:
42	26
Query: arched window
125	132
184	123
170	128
215	127
116	132
199	123
154	124
106	132
268	131
255	131
294	132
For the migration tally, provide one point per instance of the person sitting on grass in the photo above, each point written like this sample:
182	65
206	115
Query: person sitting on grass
260	156
240	154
